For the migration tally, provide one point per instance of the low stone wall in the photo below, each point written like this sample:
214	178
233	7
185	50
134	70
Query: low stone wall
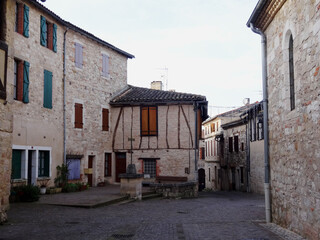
176	190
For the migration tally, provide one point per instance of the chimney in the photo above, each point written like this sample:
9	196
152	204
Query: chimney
156	85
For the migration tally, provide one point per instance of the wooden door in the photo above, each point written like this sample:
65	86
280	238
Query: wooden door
90	166
201	179
121	165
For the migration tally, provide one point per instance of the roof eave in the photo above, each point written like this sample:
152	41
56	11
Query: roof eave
256	12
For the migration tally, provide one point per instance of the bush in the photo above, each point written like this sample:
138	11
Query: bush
25	193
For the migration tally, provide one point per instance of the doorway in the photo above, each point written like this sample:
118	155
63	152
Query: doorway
121	165
201	179
90	174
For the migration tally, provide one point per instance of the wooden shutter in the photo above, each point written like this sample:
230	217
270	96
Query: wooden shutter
105	65
19	82
43	31
152	120
47	91
54	38
105	119
144	121
78	123
78	55
236	143
25	82
230	145
16	164
50	35
20	17
74	169
26	21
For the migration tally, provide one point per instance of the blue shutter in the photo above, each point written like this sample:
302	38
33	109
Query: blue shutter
43	31
54	37
74	169
47	91
105	65
78	55
25	97
26	21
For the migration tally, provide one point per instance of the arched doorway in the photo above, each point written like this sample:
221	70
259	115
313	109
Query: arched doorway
201	179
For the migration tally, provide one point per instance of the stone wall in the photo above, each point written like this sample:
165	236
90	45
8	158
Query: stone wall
257	167
176	190
173	147
87	86
294	134
5	158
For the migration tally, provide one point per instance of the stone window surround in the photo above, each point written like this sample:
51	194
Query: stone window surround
25	160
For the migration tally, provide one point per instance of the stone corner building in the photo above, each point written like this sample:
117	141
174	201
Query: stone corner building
292	32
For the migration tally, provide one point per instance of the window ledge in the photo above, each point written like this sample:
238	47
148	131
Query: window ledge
20	180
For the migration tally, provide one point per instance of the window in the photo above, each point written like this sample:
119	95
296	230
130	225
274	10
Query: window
78	55
217	126
291	74
107	165
48	34
47	89
260	129
3	69
21	80
149	166
44	164
202	151
22	19
105	119
78	112
242	146
230	144
16	164
236	143
241	175
149	126
74	169
213	129
105	65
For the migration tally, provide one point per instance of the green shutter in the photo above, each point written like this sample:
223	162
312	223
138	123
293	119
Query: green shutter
16	164
46	163
43	31
47	93
26	21
26	66
54	37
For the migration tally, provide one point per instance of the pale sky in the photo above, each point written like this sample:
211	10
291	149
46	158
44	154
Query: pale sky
205	44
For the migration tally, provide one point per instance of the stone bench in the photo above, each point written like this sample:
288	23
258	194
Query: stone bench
161	179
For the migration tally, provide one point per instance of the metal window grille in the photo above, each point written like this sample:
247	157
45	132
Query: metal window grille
150	167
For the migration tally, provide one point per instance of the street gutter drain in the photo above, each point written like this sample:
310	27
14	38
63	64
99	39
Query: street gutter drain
122	236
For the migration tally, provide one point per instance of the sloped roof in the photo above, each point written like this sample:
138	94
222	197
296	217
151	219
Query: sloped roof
77	29
132	95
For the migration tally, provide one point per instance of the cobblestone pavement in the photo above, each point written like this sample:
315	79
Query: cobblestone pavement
220	215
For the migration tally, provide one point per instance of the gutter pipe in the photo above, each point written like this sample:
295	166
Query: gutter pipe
265	121
64	97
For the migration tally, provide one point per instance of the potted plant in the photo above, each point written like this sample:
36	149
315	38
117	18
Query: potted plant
43	185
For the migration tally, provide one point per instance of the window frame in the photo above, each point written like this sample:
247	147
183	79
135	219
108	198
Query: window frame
42	171
152	174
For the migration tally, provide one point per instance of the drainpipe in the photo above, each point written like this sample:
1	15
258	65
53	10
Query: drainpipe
195	105
265	121
64	97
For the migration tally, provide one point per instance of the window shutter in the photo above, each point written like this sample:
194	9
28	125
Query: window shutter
20	16
43	31
20	81
78	115
26	21
105	65
16	164
144	121
78	55
54	37
105	119
47	91
153	120
26	82
50	36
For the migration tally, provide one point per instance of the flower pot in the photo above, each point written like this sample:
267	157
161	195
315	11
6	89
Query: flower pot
43	190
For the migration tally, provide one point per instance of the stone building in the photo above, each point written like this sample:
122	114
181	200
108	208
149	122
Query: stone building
232	150
5	121
158	131
95	70
290	32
